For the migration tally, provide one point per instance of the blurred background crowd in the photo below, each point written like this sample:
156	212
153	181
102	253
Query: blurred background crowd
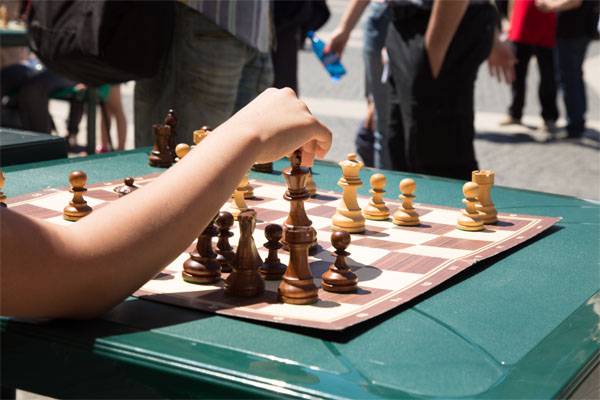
425	85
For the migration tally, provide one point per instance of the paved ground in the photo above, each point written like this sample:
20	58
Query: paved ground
519	155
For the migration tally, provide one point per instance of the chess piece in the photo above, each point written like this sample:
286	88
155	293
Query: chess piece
202	266
485	180
245	280
311	186
272	269
127	187
263	167
225	252
471	218
181	151
78	207
376	209
348	216
297	286
171	121
406	215
296	194
237	203
200	134
248	189
2	195
161	155
338	277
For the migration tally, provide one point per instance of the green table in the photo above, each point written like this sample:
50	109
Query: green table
522	325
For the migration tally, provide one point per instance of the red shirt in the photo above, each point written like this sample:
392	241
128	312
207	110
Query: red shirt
528	25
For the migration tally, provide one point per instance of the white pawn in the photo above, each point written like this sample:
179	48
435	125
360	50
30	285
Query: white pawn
376	209
406	215
471	218
238	203
348	216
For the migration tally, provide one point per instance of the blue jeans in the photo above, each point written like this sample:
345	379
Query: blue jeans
571	53
376	27
207	76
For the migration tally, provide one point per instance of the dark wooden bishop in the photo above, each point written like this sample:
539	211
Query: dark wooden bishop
225	253
297	286
245	280
272	269
202	266
295	177
338	277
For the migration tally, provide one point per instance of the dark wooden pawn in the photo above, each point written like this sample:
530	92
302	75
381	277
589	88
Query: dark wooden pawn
245	280
338	277
127	187
225	253
272	269
202	266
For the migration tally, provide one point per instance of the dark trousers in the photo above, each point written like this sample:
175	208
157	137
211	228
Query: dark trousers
285	58
547	86
431	120
571	53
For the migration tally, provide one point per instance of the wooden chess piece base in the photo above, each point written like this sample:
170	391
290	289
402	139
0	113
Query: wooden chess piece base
157	160
489	214
338	281
406	218
468	222
197	270
348	221
301	291
74	212
272	272
244	283
376	212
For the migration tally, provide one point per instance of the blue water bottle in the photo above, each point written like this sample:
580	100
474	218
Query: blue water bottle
330	61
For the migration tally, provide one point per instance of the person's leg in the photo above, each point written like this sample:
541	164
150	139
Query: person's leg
256	77
395	128
547	87
199	79
114	106
12	77
523	54
285	58
571	53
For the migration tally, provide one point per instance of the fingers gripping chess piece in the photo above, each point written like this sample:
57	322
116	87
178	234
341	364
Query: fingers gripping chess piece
297	286
485	180
296	194
376	209
272	269
470	220
202	266
237	202
225	252
245	280
2	195
77	207
339	278
348	216
406	215
127	187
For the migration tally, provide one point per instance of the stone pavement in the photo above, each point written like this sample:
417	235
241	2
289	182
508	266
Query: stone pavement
519	155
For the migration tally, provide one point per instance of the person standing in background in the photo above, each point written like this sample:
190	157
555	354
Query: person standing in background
577	26
218	61
533	33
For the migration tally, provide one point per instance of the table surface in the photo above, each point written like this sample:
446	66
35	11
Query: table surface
523	324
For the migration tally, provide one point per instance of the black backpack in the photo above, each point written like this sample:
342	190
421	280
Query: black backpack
97	42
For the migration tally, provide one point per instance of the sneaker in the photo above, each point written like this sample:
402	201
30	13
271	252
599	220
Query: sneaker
508	120
102	149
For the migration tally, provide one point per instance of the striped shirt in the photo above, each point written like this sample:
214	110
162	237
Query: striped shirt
248	20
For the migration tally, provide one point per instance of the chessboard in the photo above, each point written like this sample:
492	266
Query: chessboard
394	264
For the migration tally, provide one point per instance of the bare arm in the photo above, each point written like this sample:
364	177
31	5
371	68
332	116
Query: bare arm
443	23
557	5
341	34
84	269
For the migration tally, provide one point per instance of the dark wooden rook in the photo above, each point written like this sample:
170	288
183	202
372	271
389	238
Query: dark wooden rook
297	286
272	269
202	266
338	277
